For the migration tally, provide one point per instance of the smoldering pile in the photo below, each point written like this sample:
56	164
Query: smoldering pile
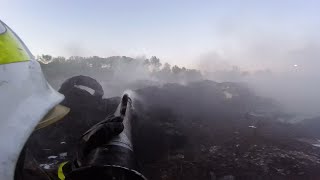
207	130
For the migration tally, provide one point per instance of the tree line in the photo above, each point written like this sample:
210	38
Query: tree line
115	68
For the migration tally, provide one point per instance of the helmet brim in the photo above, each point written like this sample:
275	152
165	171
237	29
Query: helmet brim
57	113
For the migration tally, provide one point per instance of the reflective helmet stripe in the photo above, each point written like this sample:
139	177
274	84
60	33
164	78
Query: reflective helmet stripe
11	48
60	171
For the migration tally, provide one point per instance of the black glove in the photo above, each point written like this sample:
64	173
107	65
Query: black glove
99	135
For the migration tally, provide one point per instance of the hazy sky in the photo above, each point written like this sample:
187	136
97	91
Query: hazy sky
250	34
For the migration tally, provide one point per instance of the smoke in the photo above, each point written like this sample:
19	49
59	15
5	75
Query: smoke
275	62
285	69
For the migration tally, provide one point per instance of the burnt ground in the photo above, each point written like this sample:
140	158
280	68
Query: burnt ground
203	130
198	132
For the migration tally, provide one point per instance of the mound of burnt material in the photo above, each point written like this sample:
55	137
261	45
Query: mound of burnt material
312	125
209	130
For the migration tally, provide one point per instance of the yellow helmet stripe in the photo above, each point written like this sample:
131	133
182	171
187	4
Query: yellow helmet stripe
60	171
11	48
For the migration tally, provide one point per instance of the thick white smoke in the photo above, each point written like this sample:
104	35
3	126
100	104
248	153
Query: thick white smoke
285	70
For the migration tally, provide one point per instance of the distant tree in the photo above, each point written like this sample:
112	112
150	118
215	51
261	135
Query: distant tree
146	62
176	69
166	68
155	62
60	59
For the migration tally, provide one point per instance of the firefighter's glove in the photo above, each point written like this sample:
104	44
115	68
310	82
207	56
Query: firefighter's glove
99	135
